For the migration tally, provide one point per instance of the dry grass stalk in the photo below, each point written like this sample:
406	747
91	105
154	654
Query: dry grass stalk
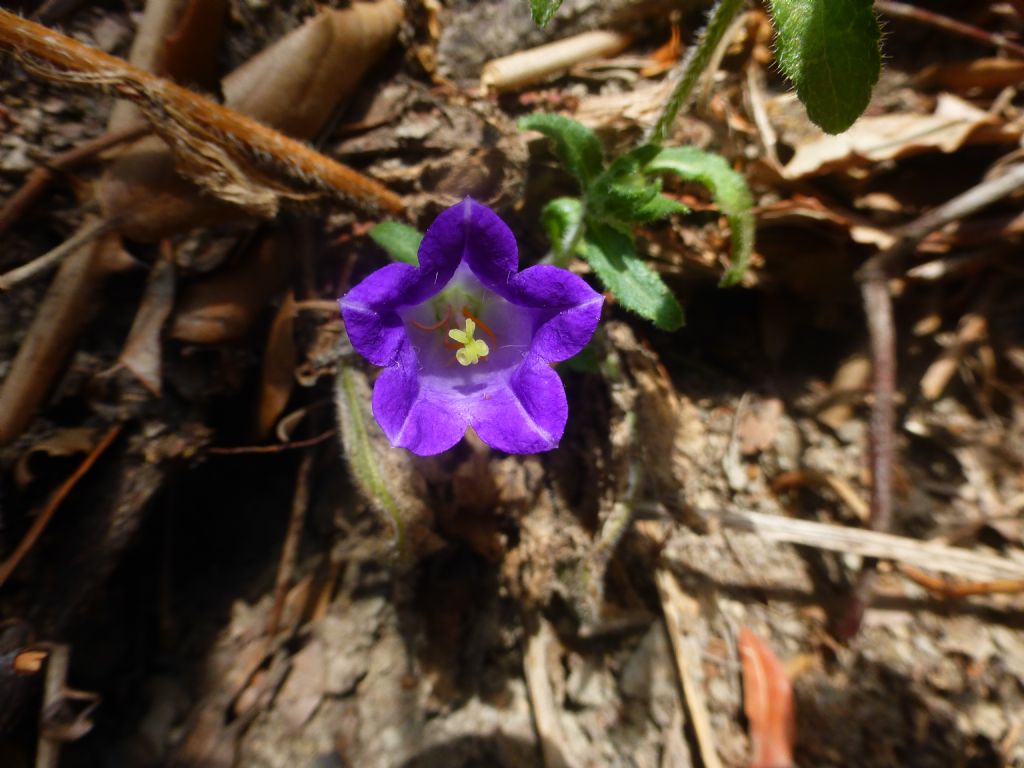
67	306
37	181
54	256
43	518
535	64
238	159
539	645
883	546
681	612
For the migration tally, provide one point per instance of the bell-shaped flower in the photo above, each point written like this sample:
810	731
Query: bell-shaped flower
467	340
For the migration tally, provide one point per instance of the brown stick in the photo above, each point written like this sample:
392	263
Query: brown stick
954	589
65	309
286	566
874	277
54	256
168	105
277	448
913	13
43	518
39	179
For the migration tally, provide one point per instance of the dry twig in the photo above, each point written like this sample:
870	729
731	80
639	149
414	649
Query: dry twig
680	613
235	157
290	550
960	589
875	544
277	448
539	644
43	518
874	276
85	235
37	181
534	64
923	16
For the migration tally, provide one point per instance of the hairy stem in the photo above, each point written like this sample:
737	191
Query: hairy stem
693	66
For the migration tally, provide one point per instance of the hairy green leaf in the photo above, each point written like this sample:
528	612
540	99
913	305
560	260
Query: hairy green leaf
352	399
575	145
659	207
543	10
560	219
729	190
623	195
637	287
830	50
401	241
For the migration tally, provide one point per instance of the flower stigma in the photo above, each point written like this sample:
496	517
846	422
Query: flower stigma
472	350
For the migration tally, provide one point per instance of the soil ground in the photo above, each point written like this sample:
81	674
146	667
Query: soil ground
503	635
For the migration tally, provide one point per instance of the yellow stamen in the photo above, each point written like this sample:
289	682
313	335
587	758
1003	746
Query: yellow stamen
472	350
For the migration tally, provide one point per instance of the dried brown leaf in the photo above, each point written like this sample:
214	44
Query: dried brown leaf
142	353
277	377
191	50
301	80
985	74
874	139
768	703
294	86
224	306
759	425
62	443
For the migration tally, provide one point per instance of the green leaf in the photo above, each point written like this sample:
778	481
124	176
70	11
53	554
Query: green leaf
728	189
623	196
637	287
830	50
560	218
543	10
401	241
659	207
576	146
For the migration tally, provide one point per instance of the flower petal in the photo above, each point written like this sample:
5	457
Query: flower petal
490	247
528	415
570	309
374	329
411	416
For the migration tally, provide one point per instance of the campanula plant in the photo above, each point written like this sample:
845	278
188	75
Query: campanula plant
467	340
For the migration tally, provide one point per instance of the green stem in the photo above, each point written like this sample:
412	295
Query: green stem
561	255
693	67
364	463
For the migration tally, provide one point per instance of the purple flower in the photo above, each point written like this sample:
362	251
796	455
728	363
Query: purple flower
468	341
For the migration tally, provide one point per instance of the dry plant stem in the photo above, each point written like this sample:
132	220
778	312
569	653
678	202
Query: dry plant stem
952	589
692	67
63	312
40	177
539	645
681	611
43	518
878	308
193	124
535	64
290	550
47	747
875	544
874	277
913	13
54	256
148	51
295	444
